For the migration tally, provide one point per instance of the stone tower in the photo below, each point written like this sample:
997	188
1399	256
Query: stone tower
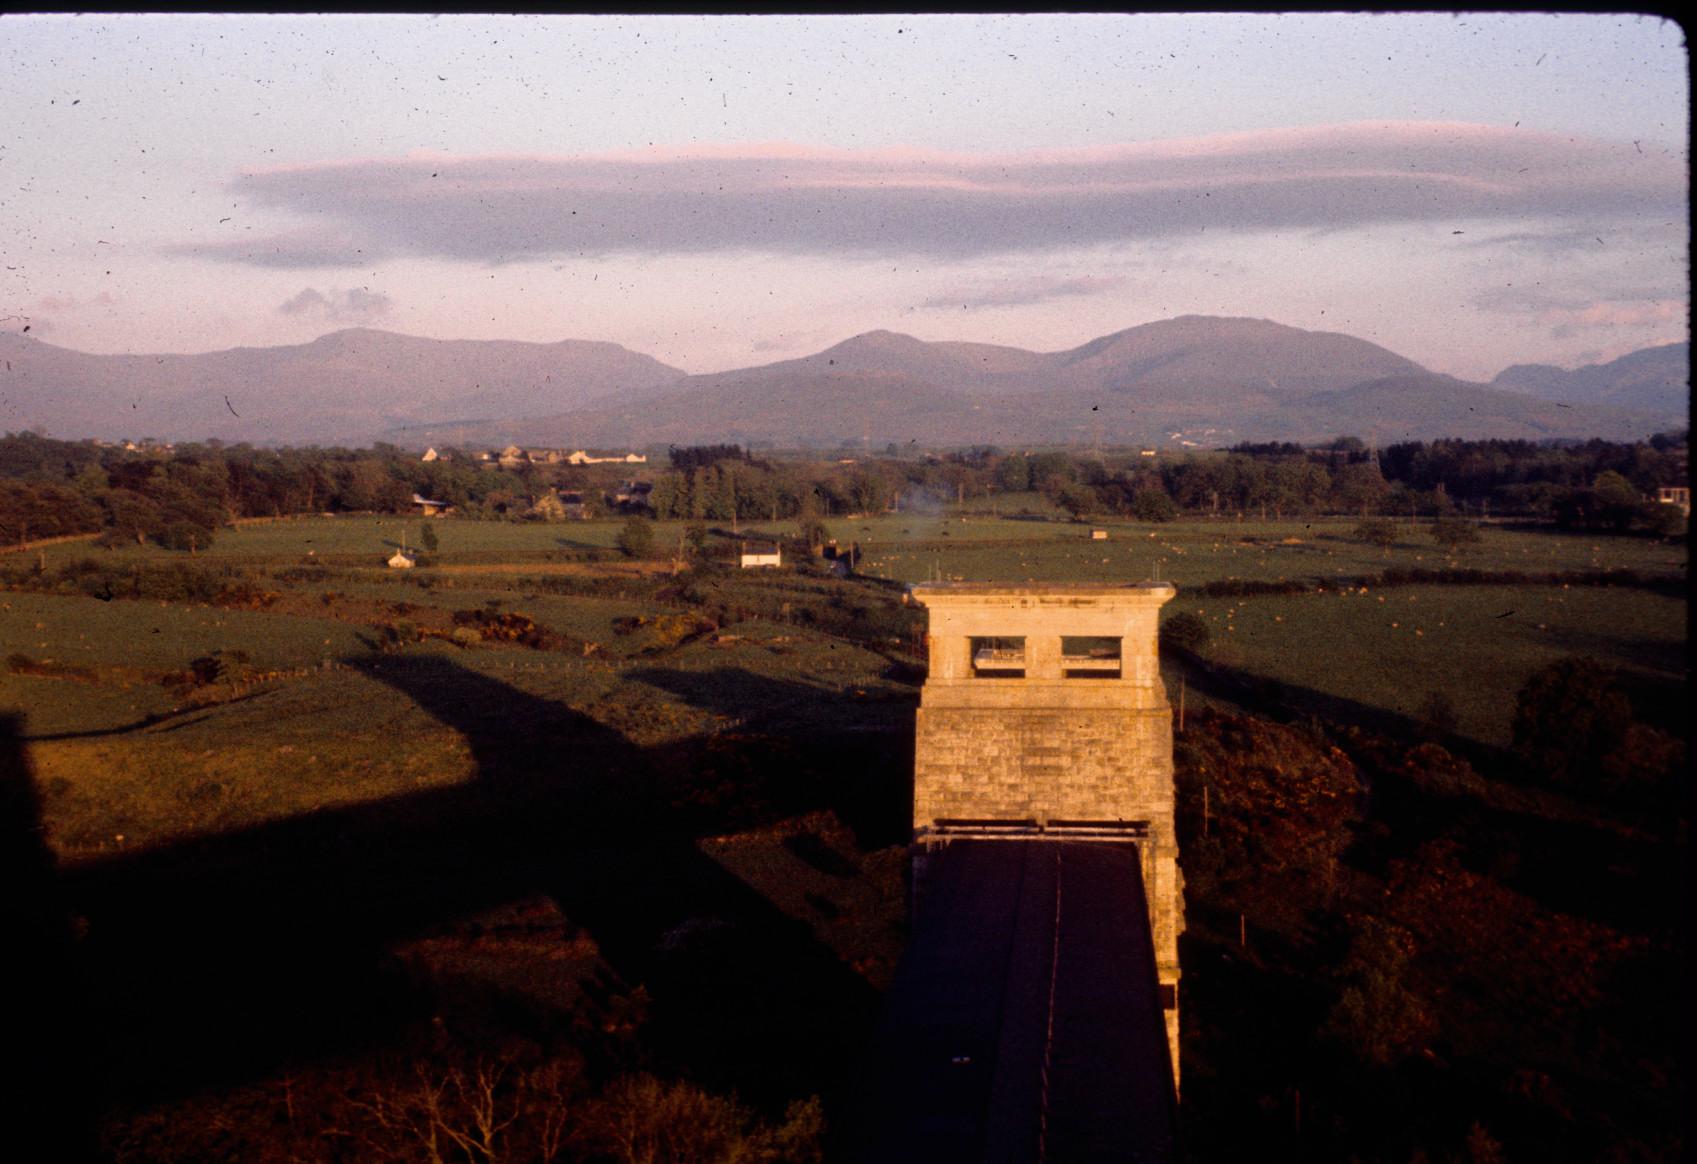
1044	715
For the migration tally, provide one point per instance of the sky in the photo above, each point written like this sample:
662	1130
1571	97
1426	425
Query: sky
1470	191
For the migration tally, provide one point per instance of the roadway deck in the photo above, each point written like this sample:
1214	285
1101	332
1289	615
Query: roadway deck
1024	1023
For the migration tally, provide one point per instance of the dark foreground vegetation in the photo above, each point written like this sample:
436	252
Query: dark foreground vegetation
1397	955
1392	954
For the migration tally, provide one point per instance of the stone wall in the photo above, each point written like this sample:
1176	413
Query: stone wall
1093	763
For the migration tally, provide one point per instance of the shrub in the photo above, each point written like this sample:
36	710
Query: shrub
814	534
1568	717
511	627
1376	531
1282	808
1451	532
1249	588
1437	716
1186	631
1079	500
636	539
183	535
1153	505
1377	1017
219	665
640	1119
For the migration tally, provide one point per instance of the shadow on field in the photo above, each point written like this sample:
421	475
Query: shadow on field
46	1035
1283	701
225	958
812	749
1581	867
732	691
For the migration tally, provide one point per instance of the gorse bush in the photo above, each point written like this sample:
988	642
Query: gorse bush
636	538
1185	631
1376	531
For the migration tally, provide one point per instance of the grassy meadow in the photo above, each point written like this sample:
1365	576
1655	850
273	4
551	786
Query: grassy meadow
98	702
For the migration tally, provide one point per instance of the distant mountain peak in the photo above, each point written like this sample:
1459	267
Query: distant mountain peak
879	340
1216	378
1656	380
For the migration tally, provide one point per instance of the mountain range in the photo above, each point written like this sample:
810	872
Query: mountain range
1649	380
1196	380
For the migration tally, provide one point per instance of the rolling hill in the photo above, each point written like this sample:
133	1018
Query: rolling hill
348	387
1656	380
1200	380
1427	406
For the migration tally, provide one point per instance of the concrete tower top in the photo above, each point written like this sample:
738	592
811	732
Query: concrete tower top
1001	592
1013	645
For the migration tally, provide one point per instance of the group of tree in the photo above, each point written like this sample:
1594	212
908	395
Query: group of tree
50	488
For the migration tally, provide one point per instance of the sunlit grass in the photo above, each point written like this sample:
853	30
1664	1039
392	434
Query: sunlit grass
328	736
1475	645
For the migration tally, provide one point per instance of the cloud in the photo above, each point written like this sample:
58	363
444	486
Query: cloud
290	250
1571	321
1575	309
1584	238
1020	292
65	304
788	200
355	305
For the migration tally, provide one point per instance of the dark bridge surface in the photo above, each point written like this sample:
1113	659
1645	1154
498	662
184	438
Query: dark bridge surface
1024	1023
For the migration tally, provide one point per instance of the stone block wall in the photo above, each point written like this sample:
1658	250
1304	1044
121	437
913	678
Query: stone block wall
1043	763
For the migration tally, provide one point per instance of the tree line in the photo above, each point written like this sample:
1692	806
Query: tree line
51	488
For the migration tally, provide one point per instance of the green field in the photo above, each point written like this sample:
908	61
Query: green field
127	751
1473	645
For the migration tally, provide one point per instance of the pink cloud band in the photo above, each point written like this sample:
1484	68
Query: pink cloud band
788	199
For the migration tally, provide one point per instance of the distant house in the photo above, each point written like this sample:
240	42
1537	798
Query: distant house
431	455
431	508
1679	495
402	560
1146	452
633	494
584	457
1098	535
761	556
511	457
574	505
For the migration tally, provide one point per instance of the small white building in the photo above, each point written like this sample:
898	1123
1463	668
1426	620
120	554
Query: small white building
402	560
1098	535
761	556
585	457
